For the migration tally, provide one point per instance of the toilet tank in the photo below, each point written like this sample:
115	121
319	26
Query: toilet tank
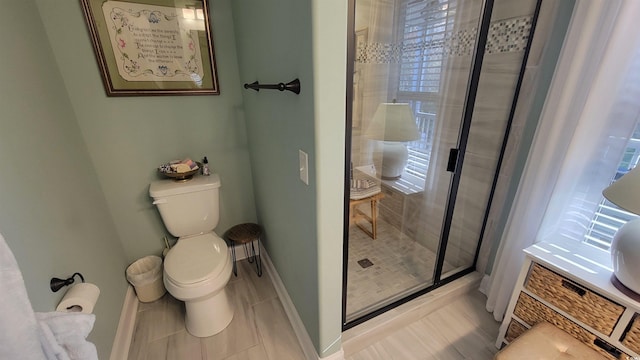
190	207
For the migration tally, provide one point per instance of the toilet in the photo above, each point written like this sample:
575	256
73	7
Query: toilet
198	266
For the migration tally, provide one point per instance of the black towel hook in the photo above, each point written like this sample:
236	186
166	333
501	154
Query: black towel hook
293	86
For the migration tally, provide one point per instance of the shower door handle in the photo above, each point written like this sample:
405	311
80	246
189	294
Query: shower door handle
453	160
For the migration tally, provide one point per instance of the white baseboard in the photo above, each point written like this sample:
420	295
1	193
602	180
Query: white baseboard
124	334
298	327
338	355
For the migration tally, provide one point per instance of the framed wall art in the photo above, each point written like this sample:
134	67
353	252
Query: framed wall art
153	47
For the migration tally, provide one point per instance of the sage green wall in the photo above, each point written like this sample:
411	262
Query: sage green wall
278	41
128	137
53	214
329	28
77	164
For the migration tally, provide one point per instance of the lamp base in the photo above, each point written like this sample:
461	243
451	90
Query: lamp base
625	255
394	159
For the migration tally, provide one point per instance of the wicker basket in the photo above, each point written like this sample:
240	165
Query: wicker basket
532	312
514	330
632	337
592	309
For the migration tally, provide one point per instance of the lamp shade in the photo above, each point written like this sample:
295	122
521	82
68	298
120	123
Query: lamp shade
625	192
393	122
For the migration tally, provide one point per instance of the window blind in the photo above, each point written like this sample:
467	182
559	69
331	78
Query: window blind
424	37
424	30
608	218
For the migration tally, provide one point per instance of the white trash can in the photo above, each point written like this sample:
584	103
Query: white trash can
146	277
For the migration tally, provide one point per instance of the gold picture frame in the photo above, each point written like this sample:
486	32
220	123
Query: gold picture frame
153	47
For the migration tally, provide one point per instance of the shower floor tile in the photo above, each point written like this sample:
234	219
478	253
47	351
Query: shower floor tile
400	267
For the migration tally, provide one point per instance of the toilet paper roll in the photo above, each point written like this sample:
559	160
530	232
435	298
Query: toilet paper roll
79	298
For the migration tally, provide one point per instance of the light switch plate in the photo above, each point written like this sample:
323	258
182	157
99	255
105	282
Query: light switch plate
304	167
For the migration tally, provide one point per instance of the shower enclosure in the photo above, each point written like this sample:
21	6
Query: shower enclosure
456	65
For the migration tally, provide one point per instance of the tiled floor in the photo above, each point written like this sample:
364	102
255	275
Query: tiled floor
463	329
400	266
259	330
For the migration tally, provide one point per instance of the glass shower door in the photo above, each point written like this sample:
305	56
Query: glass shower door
504	55
418	53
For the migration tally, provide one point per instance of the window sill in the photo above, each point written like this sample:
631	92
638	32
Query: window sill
407	184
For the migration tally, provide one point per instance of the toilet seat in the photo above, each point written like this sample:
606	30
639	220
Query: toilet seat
196	259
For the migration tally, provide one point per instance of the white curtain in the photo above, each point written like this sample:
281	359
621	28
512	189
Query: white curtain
591	107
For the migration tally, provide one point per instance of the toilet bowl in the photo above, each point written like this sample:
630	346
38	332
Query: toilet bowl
196	271
198	266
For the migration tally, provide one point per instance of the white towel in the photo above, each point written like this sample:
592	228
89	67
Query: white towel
64	335
18	327
26	335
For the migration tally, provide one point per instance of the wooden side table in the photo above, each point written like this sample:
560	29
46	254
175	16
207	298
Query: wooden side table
246	234
355	214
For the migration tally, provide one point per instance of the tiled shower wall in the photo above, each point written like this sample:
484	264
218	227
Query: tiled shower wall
506	44
509	31
531	84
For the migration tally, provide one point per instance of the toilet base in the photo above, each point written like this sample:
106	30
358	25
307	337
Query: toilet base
209	316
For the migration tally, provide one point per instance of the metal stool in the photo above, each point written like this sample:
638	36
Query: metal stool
246	234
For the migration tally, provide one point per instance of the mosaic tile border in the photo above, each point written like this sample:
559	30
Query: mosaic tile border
504	36
509	35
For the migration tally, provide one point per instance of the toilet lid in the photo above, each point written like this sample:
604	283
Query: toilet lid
196	258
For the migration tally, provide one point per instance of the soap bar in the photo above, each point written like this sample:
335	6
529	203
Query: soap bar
181	168
192	164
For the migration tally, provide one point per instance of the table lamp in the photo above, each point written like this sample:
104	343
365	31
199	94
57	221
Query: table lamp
394	125
625	247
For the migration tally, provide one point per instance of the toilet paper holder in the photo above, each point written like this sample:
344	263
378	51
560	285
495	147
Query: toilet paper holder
56	284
